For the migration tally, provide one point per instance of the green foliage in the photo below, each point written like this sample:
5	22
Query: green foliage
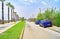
47	14
14	32
8	4
2	0
40	16
53	15
12	7
57	20
32	19
22	19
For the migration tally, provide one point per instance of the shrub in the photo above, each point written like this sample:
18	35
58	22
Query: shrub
57	20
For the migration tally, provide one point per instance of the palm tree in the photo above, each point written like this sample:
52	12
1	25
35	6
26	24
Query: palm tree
2	11
8	4
16	16
12	10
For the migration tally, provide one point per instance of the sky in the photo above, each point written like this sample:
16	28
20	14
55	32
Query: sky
29	8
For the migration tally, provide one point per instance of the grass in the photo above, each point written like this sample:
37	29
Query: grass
14	32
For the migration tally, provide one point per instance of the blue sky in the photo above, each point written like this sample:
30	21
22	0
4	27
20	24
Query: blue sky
29	8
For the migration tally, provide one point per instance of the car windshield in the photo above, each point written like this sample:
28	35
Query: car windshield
45	20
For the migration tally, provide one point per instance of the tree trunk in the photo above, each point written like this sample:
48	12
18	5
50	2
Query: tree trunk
8	15
11	15
14	16
2	12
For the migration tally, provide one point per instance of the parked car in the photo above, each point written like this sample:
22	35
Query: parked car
45	23
37	22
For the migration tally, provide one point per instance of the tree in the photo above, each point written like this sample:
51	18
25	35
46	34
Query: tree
57	19
12	11
16	17
40	16
47	14
8	4
53	15
22	19
2	11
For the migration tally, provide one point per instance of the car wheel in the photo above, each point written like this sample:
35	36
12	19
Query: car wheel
40	25
43	26
51	25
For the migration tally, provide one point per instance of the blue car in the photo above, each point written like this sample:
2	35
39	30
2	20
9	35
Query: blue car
37	22
45	23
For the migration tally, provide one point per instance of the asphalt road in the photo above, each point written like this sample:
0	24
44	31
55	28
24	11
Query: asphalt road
33	31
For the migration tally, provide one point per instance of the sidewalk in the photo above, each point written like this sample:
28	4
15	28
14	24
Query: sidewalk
4	27
54	28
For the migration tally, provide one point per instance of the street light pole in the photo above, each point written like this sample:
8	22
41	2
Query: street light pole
40	10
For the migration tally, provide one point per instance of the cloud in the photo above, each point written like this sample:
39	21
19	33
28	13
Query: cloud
32	1
44	3
56	0
28	1
25	0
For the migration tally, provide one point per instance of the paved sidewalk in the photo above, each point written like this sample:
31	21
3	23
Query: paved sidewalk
4	27
54	28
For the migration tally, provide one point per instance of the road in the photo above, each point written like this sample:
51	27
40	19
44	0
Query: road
33	31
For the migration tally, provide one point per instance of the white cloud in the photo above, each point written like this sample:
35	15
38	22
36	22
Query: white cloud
25	0
31	1
44	3
28	1
56	0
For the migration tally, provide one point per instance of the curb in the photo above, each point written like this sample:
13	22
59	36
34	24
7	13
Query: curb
22	33
8	27
50	31
54	30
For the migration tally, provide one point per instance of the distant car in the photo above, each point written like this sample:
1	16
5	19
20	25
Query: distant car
37	22
45	23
